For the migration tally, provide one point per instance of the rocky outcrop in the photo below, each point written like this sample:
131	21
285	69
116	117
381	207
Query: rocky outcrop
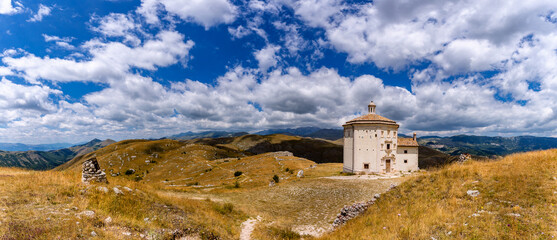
349	212
92	172
300	174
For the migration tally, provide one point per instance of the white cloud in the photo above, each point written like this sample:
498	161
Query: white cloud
109	61
317	13
48	38
15	97
149	9
115	25
42	12
4	71
267	57
208	13
396	34
6	7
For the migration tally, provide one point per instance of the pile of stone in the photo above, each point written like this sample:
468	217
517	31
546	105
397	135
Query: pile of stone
349	212
92	172
281	154
464	157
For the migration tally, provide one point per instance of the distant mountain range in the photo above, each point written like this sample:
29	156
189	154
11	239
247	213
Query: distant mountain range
42	160
313	132
206	134
30	147
455	145
487	146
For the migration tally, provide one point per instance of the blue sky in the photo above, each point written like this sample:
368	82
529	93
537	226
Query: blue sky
72	71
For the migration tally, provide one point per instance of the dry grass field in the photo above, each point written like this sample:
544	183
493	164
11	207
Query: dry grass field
55	205
517	200
179	189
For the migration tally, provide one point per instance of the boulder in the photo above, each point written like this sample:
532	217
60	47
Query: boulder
300	174
473	193
117	191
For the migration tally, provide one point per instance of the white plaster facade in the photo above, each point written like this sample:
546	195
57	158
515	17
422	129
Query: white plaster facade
371	145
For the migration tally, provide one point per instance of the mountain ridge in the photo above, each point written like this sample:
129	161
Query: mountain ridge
43	160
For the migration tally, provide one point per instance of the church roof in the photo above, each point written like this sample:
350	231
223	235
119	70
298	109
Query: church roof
407	142
371	118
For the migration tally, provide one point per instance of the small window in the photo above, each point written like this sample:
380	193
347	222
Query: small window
376	135
388	146
381	146
405	161
366	165
405	151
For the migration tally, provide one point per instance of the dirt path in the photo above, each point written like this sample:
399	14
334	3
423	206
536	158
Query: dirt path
247	228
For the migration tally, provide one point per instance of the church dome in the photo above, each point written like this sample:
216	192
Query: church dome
372	117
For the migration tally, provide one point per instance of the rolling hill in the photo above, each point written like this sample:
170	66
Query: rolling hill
173	164
43	160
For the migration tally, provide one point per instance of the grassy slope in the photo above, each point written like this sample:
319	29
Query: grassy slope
47	205
436	205
175	165
317	150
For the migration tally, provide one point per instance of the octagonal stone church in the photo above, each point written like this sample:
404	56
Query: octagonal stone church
371	145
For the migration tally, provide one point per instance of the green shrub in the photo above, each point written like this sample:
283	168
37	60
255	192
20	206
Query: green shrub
237	173
287	170
130	171
284	233
224	209
276	178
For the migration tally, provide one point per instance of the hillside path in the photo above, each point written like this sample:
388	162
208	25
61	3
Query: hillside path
247	228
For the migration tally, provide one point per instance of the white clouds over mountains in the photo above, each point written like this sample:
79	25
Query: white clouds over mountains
484	67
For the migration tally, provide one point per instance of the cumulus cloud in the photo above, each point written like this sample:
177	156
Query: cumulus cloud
6	7
397	34
17	100
110	60
207	13
267	57
42	12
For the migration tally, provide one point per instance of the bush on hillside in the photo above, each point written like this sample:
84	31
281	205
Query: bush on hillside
224	209
237	173
276	179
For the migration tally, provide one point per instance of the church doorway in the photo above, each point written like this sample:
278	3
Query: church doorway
388	165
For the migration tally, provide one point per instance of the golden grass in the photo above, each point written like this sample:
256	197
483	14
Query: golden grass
48	205
517	201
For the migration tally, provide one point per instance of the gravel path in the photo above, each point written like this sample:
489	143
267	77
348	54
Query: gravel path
247	228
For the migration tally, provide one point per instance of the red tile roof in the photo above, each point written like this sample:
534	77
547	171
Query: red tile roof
372	118
407	142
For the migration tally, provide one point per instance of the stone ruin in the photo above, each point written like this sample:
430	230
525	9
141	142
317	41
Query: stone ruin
352	211
92	172
349	212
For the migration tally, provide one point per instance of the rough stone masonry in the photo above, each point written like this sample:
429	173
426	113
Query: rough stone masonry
92	172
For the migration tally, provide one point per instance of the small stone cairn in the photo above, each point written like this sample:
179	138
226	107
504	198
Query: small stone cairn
92	172
464	157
